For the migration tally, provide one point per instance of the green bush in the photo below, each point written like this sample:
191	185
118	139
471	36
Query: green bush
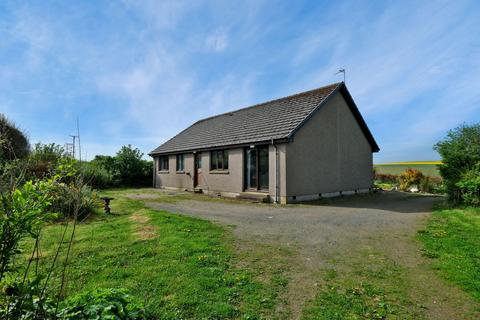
71	198
13	142
460	152
24	300
23	211
44	160
132	170
102	304
96	175
469	187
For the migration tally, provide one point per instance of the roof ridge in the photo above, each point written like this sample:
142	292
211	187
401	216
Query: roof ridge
270	101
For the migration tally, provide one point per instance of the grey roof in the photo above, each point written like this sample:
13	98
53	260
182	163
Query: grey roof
277	119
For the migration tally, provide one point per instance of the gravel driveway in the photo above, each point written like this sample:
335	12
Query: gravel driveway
313	227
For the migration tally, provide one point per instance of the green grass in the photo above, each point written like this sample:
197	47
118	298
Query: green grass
179	267
372	287
452	240
428	169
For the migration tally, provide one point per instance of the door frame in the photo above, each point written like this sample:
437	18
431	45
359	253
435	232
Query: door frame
196	156
257	166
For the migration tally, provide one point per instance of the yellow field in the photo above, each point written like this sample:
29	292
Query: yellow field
428	168
411	162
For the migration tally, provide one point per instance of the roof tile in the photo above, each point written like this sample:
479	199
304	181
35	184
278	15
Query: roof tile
275	119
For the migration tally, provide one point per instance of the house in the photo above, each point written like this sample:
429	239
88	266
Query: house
302	147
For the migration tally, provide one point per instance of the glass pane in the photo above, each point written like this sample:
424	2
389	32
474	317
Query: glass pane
251	172
213	160
225	159
263	167
220	159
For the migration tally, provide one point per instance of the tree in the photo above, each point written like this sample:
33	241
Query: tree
13	142
44	159
132	170
460	152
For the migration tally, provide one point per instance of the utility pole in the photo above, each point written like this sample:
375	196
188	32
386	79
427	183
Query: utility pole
73	144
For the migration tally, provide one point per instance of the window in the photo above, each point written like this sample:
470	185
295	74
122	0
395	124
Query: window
180	162
219	160
163	163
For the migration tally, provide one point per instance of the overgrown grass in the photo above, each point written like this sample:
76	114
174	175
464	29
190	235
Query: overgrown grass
180	267
371	287
452	240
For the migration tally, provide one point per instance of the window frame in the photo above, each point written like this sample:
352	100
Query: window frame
162	160
219	160
180	159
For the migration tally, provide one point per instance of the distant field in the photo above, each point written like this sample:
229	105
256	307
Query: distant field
428	168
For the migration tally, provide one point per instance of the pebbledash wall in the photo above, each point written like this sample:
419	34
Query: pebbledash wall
329	156
228	183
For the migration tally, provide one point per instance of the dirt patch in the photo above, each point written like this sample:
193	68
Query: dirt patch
140	218
141	229
141	196
146	232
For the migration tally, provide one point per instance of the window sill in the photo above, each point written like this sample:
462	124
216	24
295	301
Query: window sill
180	172
219	172
163	172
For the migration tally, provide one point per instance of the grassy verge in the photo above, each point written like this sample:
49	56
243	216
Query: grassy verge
452	240
368	287
180	267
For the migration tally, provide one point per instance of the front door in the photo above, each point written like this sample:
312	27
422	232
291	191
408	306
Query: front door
197	170
256	168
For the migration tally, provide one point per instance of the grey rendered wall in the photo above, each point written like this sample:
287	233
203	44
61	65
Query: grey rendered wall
329	153
210	181
221	181
172	178
277	178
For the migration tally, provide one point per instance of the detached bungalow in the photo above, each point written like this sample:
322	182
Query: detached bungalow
302	147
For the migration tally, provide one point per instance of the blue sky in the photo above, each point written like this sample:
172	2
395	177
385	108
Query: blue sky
140	71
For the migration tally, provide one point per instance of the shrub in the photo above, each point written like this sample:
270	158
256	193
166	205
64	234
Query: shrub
460	152
23	300
132	170
410	178
13	142
95	175
386	178
72	198
469	187
44	159
22	213
102	304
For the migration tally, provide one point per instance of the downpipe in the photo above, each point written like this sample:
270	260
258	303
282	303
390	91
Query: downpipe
276	172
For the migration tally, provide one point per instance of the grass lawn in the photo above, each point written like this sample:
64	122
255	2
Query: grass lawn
452	240
179	267
370	287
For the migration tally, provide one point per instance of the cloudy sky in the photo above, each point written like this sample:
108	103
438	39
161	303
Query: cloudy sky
140	71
